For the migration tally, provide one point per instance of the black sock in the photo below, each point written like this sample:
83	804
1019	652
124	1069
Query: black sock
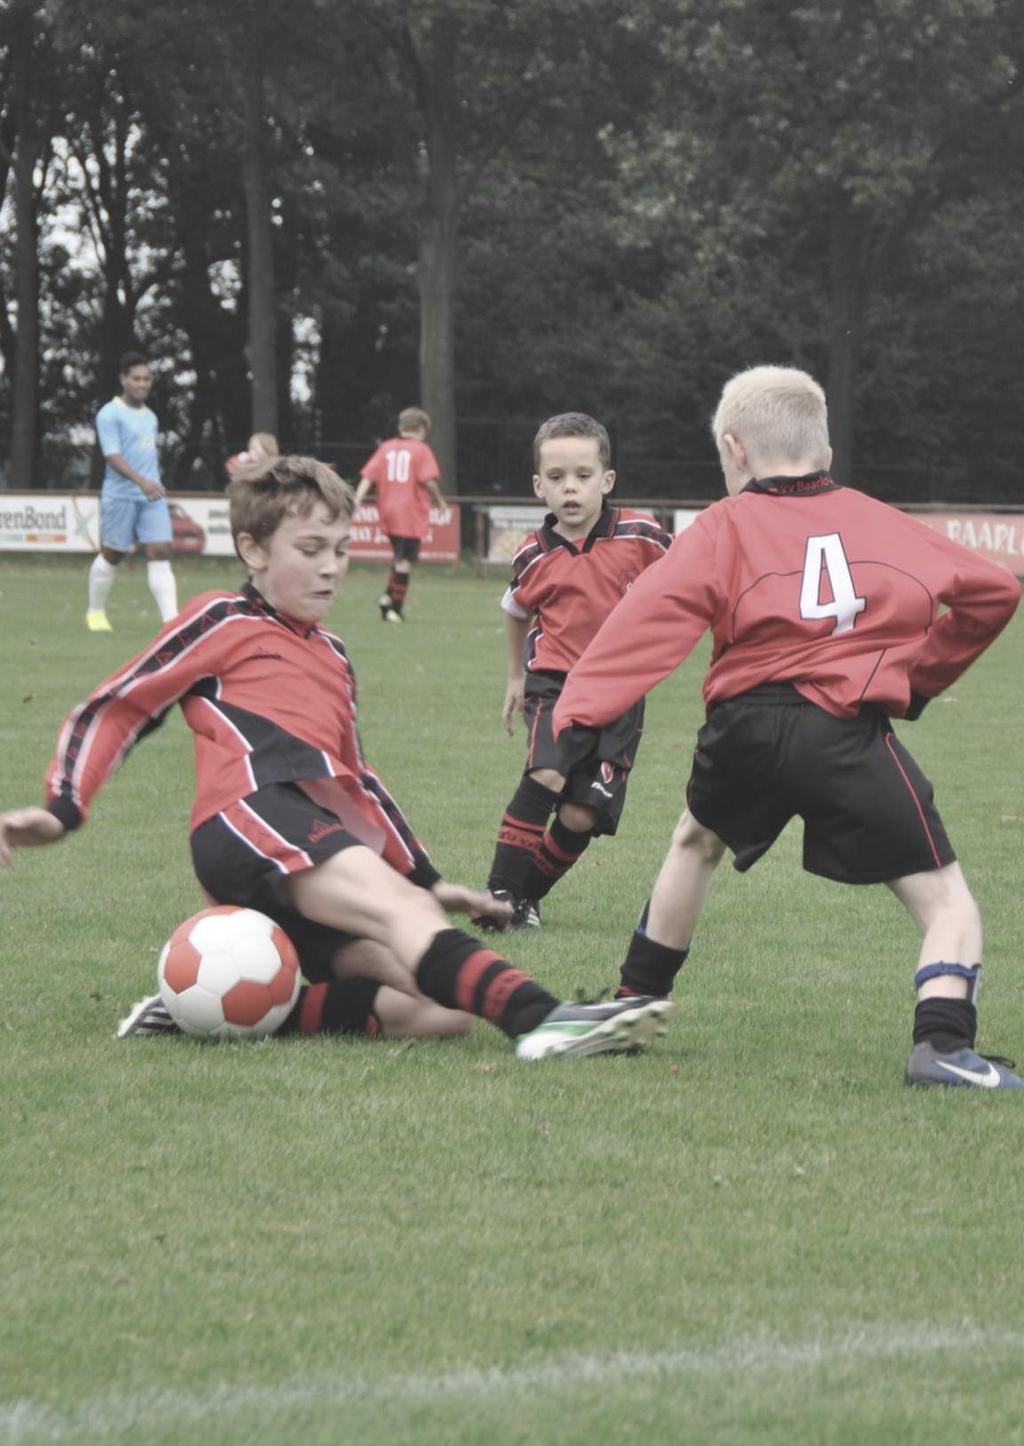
650	968
461	973
556	853
398	586
948	1024
343	1006
520	833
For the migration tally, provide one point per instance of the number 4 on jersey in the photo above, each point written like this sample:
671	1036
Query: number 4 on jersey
826	555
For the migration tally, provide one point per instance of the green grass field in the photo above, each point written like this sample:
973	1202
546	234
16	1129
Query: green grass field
753	1234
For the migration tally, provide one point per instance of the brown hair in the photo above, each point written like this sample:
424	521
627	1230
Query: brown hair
261	494
413	419
573	424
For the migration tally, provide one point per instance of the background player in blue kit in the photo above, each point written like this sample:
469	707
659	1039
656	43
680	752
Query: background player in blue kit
133	503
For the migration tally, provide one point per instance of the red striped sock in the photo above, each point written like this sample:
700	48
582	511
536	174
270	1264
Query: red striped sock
461	973
557	852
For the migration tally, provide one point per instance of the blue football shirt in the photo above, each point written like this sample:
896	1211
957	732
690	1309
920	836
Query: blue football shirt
131	432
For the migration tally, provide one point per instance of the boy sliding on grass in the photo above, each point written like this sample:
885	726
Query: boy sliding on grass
288	817
824	607
566	578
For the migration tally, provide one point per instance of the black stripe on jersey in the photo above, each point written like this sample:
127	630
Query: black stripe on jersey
642	527
170	648
337	646
275	755
524	557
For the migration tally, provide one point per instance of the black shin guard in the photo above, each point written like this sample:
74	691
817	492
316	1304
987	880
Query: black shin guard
649	968
519	836
948	1024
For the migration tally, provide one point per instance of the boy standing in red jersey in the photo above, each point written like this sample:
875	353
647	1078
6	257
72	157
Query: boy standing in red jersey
406	477
566	578
829	612
289	818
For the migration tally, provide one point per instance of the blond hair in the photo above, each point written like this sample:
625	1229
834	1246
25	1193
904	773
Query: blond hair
262	494
413	419
266	442
779	414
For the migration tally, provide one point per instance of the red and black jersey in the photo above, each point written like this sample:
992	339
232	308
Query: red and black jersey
267	700
803	581
400	470
572	586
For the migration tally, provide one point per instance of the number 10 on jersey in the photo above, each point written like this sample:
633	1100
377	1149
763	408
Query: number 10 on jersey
826	555
399	463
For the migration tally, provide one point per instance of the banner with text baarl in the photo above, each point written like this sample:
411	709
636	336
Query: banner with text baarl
997	535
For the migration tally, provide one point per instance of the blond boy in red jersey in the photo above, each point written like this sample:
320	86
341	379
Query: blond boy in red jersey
829	613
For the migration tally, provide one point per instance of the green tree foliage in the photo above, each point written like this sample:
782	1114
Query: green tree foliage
318	214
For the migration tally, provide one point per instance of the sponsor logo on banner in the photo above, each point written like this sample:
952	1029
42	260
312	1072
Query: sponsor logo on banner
200	526
997	535
508	528
47	522
371	543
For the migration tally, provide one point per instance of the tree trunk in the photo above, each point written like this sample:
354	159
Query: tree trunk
848	264
438	244
22	463
260	279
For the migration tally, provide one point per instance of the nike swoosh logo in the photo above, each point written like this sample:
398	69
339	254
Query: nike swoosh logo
988	1081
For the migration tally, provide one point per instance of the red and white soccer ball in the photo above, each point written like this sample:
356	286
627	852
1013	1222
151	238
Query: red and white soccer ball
229	973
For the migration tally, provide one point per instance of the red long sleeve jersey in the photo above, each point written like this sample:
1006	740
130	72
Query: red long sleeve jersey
803	581
572	586
267	702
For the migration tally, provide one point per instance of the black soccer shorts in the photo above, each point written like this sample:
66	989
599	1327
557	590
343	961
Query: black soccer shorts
244	853
405	549
768	755
594	762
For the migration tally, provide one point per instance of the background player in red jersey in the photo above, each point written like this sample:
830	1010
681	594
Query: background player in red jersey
407	480
566	578
829	611
289	818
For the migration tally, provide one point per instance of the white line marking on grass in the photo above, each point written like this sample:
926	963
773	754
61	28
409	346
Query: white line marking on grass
32	1421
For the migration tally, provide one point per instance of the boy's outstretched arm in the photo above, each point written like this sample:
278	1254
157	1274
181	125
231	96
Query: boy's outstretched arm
23	828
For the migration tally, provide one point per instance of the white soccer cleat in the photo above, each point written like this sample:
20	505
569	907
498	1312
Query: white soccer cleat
148	1017
622	1026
